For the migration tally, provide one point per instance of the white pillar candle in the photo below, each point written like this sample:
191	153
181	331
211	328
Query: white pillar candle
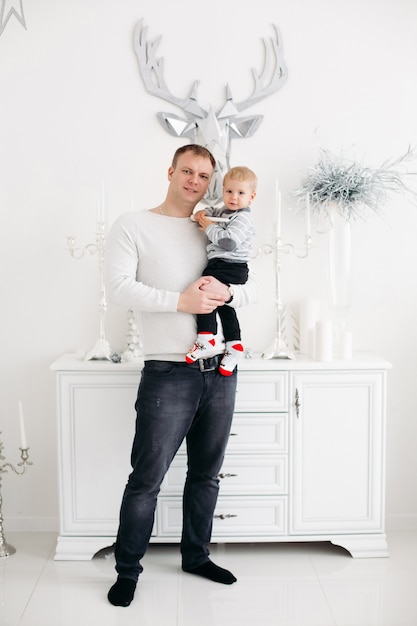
311	342
324	347
346	345
22	427
309	316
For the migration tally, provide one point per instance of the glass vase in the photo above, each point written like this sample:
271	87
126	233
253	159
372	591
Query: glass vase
339	274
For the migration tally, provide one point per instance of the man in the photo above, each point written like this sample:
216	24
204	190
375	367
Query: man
154	261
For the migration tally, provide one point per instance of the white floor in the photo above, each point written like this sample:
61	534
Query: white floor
278	584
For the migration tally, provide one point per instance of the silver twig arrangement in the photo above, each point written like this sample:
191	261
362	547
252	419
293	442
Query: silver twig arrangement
102	349
6	549
351	188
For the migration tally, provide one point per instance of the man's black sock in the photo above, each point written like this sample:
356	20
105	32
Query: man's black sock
122	592
212	572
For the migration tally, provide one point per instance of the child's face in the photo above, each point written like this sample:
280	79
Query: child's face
237	194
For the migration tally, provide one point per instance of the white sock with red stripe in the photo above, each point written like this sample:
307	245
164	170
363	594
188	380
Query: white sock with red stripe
231	357
203	348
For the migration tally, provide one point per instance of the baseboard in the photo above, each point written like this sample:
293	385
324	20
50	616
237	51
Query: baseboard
31	524
401	522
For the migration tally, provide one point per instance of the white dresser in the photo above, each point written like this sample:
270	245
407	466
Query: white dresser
305	461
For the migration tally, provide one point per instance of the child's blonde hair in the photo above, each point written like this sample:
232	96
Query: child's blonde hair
241	173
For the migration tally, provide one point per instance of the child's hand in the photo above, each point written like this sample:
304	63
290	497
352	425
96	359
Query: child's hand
203	220
198	215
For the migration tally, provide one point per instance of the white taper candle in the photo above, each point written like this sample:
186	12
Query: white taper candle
278	208
22	427
101	204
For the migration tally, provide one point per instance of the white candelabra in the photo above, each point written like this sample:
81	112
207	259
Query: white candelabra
7	549
278	348
102	349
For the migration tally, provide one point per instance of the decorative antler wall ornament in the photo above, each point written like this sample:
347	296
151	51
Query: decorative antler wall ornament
205	126
12	10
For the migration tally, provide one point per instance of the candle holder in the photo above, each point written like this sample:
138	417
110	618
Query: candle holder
278	348
7	549
102	349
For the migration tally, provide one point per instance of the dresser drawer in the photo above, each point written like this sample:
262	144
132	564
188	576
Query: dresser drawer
262	432
239	475
234	517
261	391
255	433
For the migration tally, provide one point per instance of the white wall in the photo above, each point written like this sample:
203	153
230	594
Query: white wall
73	109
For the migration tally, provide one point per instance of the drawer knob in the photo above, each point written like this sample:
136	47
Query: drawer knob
224	516
226	475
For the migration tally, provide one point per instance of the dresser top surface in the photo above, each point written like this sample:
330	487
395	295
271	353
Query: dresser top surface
360	360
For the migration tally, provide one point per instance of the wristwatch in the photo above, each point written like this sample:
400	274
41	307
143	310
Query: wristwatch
232	293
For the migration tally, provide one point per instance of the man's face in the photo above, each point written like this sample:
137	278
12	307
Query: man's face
190	178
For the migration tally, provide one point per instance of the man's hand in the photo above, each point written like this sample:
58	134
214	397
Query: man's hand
203	296
217	287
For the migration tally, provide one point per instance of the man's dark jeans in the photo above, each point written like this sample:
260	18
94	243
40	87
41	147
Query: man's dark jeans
176	401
